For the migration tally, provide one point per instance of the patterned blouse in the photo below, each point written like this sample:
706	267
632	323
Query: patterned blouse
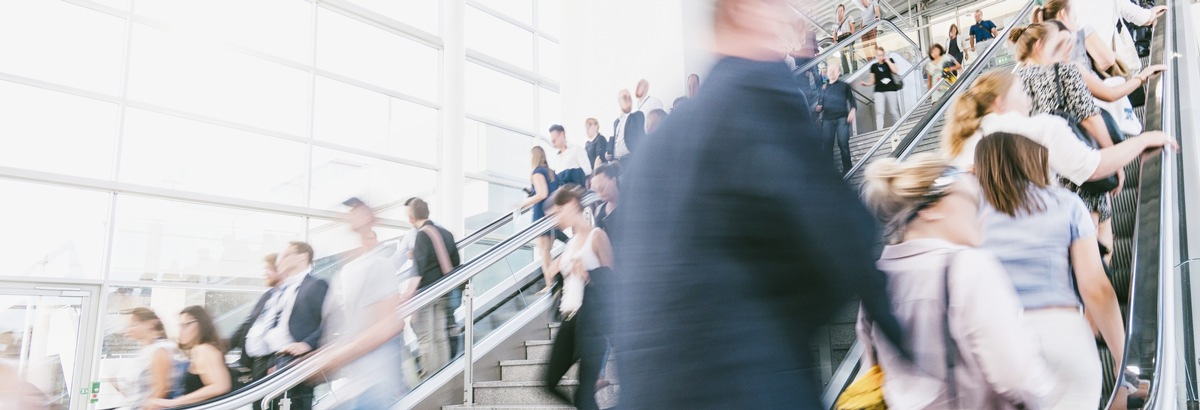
1040	83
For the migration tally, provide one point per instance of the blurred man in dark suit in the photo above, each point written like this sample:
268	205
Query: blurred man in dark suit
740	240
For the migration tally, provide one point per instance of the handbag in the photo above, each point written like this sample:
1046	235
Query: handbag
1121	112
1096	187
866	393
1126	51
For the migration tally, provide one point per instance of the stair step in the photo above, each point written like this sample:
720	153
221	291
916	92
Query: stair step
538	349
530	370
519	393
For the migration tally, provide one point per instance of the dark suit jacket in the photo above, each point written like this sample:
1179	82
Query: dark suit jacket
305	322
635	130
738	242
238	340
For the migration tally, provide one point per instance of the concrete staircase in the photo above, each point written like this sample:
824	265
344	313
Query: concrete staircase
520	386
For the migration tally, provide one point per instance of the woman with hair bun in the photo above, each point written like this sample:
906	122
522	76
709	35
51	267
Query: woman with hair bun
954	302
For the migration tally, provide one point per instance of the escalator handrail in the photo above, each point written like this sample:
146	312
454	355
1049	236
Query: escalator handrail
303	370
850	40
913	139
888	135
1157	248
487	229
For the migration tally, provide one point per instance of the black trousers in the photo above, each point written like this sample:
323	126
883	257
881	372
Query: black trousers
583	339
301	395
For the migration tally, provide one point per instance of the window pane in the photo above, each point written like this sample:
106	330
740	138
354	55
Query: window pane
353	48
498	38
170	152
550	110
290	23
361	118
485	201
497	152
168	241
55	132
549	59
519	9
549	15
499	96
424	14
201	78
338	175
62	43
53	232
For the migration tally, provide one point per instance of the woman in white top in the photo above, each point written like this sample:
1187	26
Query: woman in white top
584	329
996	102
151	373
930	209
1103	16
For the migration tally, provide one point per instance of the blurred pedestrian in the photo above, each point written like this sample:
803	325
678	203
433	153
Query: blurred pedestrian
953	300
585	264
206	375
150	375
728	264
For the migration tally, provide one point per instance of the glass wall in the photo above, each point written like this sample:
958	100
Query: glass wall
511	100
165	152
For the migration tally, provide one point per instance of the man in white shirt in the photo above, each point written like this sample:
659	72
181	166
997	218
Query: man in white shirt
627	128
371	348
646	103
571	163
291	323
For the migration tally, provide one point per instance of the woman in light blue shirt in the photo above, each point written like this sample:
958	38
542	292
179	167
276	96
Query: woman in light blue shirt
1045	239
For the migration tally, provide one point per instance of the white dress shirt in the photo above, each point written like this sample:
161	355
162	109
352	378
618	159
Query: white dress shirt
570	158
619	147
649	103
263	339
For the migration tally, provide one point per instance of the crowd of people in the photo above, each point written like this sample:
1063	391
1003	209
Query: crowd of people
990	291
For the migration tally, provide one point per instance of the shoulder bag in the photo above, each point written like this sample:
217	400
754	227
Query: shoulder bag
866	393
1096	187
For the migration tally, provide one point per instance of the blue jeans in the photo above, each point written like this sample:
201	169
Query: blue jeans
837	131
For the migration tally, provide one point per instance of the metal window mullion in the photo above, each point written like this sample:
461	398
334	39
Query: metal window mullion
312	104
101	185
510	183
500	15
382	22
501	124
510	69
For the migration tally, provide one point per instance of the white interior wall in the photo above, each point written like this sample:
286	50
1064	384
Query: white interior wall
608	45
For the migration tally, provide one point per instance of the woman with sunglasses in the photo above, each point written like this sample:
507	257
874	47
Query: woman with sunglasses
1045	239
207	375
954	302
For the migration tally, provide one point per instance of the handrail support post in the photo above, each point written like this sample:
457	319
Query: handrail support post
469	344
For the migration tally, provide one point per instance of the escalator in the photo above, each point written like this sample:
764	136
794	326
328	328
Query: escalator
1150	262
500	308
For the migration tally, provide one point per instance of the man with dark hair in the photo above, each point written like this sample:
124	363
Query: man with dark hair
290	323
722	314
434	255
570	161
983	32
